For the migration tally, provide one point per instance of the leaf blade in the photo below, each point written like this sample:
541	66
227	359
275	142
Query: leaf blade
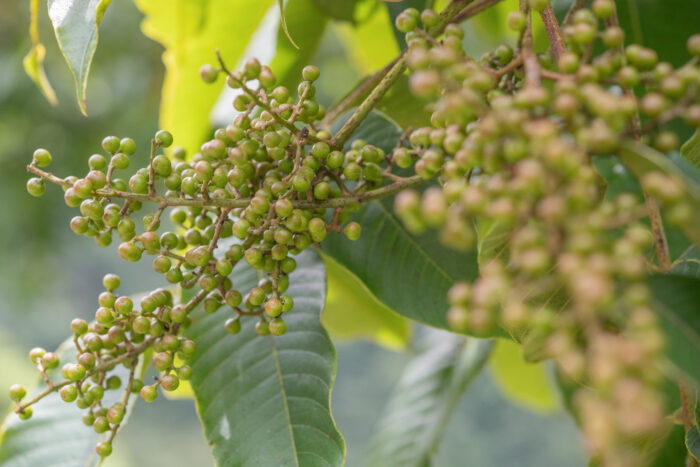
259	401
424	399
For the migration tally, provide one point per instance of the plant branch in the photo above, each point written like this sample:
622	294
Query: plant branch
370	101
552	26
162	200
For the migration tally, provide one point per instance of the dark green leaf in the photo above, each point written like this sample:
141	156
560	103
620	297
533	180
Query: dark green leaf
56	435
77	23
425	398
338	9
677	302
691	149
411	274
266	400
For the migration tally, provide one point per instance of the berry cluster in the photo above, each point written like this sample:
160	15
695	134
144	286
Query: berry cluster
513	136
270	182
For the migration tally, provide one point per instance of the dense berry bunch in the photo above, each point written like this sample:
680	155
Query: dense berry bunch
563	268
269	183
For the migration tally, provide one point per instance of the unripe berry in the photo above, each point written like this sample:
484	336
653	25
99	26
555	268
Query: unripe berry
277	327
17	392
49	361
232	325
36	186
516	21
262	328
162	361
41	158
35	354
68	393
169	382
127	146
693	45
111	144
130	251
73	371
26	413
310	73
352	230
208	73
103	449
148	393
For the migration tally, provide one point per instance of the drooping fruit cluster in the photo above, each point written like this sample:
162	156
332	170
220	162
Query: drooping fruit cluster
562	268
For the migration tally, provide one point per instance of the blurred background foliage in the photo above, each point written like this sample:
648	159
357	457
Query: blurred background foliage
49	276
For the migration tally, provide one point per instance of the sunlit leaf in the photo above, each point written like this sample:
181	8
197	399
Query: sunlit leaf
191	32
352	311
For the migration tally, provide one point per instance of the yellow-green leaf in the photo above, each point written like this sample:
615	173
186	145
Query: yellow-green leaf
691	149
527	384
352	311
371	44
34	61
191	32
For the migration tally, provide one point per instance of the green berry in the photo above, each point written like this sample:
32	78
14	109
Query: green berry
41	158
164	138
310	73
169	382
17	392
262	328
36	186
277	327
111	144
353	230
148	393
127	146
111	282
130	251
103	449
208	73
26	413
73	371
68	393
232	325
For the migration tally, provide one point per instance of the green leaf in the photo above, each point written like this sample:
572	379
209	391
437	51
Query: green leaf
402	107
306	24
56	435
527	384
352	311
369	45
642	159
34	61
692	441
266	400
424	399
410	274
676	299
191	32
492	237
691	149
77	23
338	9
